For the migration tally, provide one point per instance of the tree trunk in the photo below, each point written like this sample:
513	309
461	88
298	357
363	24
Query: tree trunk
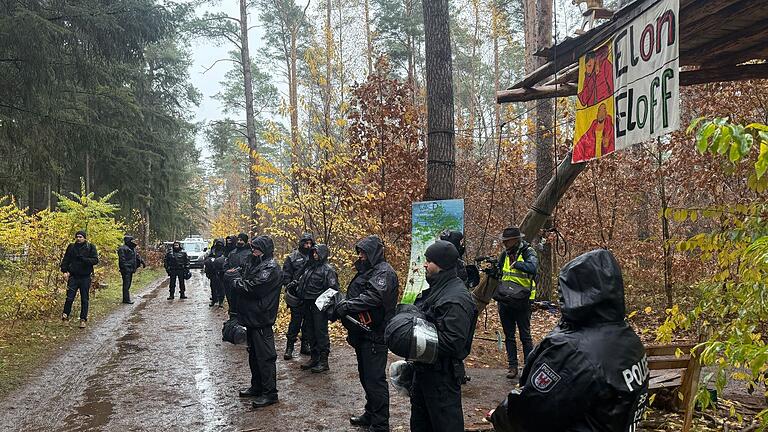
439	75
369	42
328	65
538	34
250	129
666	246
293	100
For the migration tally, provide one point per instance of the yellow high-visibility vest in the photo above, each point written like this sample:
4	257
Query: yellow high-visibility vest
511	275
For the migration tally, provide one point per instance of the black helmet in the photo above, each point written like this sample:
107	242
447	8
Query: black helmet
411	336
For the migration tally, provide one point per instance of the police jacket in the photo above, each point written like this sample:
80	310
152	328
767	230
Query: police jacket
528	265
176	262
258	288
450	307
213	267
372	293
238	257
318	276
79	259
128	260
590	374
296	261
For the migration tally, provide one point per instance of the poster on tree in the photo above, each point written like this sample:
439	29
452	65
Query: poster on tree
428	220
629	86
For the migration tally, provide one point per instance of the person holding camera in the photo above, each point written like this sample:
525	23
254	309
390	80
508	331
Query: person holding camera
176	265
517	267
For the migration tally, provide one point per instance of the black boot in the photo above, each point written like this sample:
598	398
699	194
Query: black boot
305	348
288	350
250	392
264	400
182	296
322	364
170	296
313	361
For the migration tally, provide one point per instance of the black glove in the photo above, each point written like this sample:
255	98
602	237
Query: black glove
341	309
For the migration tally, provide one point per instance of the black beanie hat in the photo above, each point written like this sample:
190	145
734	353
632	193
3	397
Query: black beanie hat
82	233
243	237
442	253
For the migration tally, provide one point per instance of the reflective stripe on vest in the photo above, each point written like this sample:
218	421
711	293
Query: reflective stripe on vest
511	275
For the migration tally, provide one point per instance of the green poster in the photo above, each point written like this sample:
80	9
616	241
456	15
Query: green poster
429	219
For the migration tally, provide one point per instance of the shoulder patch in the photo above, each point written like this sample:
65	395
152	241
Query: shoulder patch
264	274
544	379
332	280
380	281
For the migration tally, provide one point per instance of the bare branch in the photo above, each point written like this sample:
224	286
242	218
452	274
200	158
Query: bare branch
221	60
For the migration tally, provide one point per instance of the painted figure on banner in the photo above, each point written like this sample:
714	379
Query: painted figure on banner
599	138
595	135
598	77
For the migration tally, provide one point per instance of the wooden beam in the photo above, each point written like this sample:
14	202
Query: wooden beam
680	363
668	350
534	77
547	200
724	74
570	75
693	11
533	93
694	77
733	11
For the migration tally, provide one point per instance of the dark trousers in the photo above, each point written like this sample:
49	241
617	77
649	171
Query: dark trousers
371	366
172	284
316	329
436	401
127	280
217	289
296	324
75	284
261	359
516	314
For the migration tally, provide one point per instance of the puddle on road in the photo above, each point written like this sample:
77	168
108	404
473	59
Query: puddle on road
97	408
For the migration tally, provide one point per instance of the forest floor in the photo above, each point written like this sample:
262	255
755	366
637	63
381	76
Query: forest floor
161	364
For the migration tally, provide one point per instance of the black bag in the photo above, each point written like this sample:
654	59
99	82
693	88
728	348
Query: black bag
188	275
233	332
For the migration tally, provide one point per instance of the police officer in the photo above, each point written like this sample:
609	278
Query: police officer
293	267
128	261
258	298
371	300
236	259
213	270
318	277
229	244
590	373
176	265
436	389
517	266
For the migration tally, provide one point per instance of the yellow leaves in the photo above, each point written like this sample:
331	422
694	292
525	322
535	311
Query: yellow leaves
647	310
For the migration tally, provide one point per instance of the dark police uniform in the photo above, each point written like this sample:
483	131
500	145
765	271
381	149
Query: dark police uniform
590	374
293	267
258	294
436	388
371	299
318	277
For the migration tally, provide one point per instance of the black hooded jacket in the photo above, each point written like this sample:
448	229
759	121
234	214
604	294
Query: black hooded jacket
590	374
295	263
128	260
213	267
449	306
456	237
374	290
176	262
79	259
238	257
229	244
258	289
318	276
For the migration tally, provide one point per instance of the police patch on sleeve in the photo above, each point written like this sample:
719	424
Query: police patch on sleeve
264	274
381	281
332	280
544	379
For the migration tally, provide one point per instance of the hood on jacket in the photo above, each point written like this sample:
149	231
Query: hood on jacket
373	248
218	244
264	244
306	236
592	289
129	241
322	253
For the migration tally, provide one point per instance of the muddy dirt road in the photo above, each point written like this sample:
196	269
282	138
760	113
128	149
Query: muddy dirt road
161	365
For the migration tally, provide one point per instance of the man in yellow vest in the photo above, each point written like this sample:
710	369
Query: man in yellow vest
518	265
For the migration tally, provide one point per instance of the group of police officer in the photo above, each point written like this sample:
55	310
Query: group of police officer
248	275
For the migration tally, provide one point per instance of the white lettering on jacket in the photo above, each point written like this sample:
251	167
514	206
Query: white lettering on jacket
637	374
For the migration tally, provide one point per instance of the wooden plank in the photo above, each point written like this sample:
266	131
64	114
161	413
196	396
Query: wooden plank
541	92
693	11
731	12
666	377
680	363
534	77
668	350
717	51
